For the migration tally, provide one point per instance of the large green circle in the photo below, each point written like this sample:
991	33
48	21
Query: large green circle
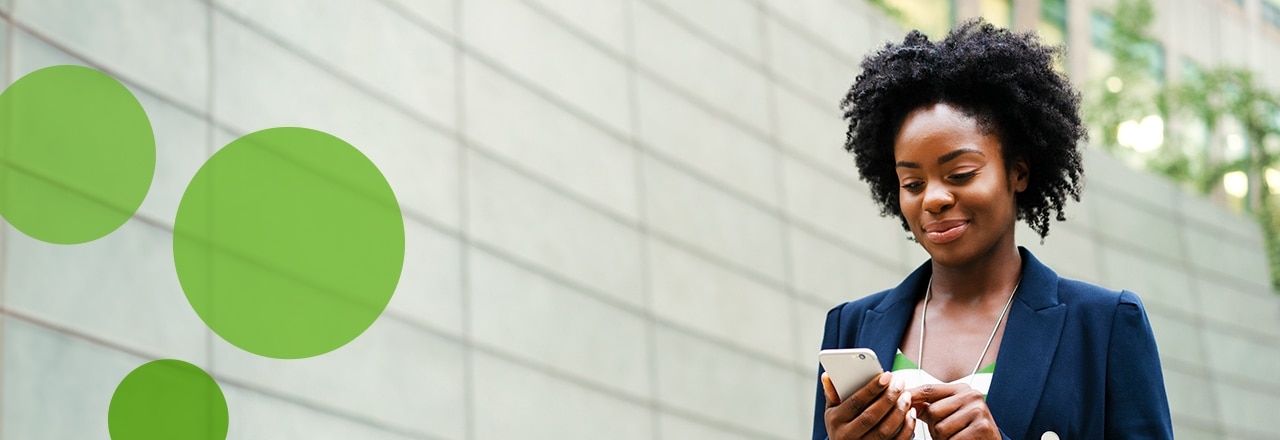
288	243
167	399
76	154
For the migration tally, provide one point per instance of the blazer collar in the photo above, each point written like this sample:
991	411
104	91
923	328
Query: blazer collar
1030	338
886	322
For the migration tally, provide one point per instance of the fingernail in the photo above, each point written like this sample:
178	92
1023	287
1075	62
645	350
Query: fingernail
904	400
911	413
884	378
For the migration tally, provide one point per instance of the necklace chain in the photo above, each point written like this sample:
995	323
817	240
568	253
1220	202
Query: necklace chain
924	313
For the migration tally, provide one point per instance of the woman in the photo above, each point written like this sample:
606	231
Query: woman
960	139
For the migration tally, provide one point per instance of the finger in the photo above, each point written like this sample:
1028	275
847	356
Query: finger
962	413
894	423
941	409
829	390
908	426
968	421
947	407
935	392
924	415
871	419
857	404
866	395
946	426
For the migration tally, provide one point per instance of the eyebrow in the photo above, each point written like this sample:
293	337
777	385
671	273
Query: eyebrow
944	158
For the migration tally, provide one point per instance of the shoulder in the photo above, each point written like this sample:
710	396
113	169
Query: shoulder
1097	301
1072	291
844	320
1050	289
857	307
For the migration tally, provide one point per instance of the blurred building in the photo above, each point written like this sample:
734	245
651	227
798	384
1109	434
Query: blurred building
625	218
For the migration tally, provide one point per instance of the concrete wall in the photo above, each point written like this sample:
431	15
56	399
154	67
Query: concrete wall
625	218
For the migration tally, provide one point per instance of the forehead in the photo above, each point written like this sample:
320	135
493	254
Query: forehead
935	130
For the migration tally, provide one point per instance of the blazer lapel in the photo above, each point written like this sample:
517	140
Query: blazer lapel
1030	340
884	325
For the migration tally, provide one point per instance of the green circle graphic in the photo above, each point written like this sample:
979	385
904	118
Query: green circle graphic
167	399
76	154
288	243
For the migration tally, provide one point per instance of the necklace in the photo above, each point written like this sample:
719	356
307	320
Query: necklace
924	313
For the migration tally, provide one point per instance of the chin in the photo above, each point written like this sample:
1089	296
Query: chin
944	257
953	254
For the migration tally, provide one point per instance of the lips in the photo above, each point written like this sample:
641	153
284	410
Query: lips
945	231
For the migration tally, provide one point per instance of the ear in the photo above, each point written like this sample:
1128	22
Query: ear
1019	175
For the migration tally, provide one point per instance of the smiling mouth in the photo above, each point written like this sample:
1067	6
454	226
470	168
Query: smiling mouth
947	232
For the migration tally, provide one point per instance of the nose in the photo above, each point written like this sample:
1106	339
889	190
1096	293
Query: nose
938	198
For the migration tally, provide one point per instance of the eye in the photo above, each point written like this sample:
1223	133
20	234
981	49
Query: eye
914	186
962	177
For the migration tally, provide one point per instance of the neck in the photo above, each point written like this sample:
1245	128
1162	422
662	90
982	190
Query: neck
981	280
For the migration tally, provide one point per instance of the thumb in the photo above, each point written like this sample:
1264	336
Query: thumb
829	390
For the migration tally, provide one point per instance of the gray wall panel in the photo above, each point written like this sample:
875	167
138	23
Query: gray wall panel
626	217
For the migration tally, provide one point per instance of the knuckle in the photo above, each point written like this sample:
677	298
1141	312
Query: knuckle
864	423
858	403
981	423
885	432
831	416
927	390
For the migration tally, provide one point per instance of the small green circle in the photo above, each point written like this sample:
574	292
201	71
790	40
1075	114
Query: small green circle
77	154
288	243
167	399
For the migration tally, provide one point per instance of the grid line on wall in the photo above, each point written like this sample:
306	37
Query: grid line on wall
639	154
774	86
209	148
1197	321
780	182
224	380
469	397
441	127
7	74
1223	326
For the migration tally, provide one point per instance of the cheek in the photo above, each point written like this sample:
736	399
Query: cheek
905	203
996	195
909	206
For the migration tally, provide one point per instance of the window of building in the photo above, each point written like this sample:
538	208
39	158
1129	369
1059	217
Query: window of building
1271	12
1188	130
1100	30
1190	70
1150	53
1053	21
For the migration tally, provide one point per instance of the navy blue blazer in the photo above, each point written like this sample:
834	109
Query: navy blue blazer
1075	358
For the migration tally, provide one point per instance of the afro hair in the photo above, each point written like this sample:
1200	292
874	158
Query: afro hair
1004	80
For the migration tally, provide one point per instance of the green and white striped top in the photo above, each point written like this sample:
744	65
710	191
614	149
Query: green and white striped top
913	377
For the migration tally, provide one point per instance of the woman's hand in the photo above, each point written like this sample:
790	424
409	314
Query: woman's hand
878	410
954	411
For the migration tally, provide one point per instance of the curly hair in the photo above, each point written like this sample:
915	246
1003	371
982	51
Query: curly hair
1004	80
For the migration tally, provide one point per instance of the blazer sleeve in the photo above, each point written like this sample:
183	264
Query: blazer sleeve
1136	404
830	339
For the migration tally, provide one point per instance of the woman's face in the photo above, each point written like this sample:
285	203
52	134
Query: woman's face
956	193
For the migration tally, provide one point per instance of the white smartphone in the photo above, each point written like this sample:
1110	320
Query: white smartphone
849	368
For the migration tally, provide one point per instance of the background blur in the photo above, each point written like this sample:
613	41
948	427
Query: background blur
624	218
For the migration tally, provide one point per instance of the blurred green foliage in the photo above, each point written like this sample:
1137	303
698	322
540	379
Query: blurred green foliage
1216	103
